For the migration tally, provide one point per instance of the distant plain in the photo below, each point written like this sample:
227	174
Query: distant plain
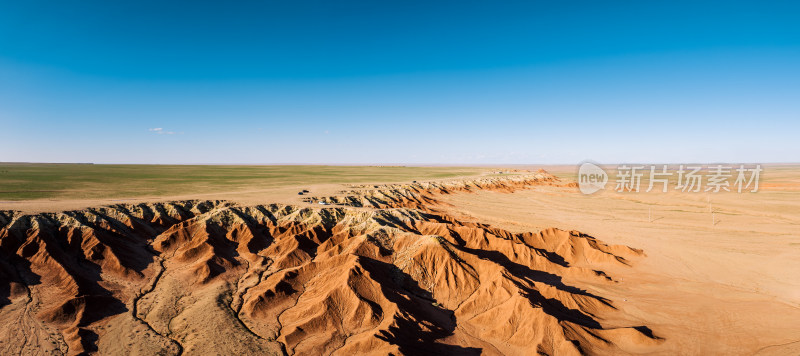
37	187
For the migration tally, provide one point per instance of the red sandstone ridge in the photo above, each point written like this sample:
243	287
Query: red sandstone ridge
423	195
211	277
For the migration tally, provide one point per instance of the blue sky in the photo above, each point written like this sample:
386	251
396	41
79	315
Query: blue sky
461	82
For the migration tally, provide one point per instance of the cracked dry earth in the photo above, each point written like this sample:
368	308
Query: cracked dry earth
376	271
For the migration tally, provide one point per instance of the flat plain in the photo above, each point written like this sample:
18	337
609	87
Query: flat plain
36	187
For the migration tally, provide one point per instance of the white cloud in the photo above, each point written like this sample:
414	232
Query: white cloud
160	131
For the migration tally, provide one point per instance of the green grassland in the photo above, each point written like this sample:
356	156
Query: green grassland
25	181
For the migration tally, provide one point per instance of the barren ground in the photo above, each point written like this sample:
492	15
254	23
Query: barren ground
729	288
463	265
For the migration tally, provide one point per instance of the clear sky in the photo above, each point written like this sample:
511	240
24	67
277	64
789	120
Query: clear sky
452	82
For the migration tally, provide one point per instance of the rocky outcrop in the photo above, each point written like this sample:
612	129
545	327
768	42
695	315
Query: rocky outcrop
214	277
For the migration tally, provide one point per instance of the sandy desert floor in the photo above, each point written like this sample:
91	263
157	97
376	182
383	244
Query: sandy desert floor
461	265
729	288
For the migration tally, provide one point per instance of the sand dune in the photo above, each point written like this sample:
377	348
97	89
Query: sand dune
216	277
